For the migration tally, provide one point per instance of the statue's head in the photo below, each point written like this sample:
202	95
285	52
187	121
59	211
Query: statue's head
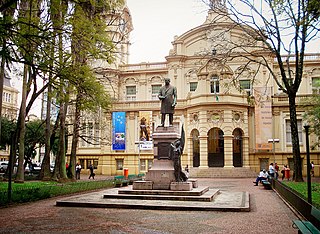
167	81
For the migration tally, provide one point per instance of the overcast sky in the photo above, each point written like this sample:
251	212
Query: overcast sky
156	22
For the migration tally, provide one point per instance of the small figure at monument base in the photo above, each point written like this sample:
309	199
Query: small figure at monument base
176	152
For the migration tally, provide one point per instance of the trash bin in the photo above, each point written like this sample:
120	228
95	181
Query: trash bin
287	174
125	172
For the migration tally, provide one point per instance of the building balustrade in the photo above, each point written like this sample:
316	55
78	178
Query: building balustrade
307	57
300	99
143	66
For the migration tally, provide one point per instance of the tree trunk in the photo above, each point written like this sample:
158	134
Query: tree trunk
22	127
45	173
60	163
1	84
297	170
75	138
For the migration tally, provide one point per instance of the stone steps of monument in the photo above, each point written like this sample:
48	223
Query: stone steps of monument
216	172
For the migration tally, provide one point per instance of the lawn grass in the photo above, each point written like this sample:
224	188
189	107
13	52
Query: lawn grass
37	190
302	189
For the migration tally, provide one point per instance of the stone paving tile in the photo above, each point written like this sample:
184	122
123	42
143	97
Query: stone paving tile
268	214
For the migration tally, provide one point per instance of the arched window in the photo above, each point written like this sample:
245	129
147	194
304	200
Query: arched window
214	84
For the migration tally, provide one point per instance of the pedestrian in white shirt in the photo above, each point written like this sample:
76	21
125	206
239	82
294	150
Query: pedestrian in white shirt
263	175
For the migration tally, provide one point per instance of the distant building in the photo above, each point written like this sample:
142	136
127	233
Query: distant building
229	111
9	109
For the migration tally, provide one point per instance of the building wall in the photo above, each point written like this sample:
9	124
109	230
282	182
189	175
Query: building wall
9	110
258	111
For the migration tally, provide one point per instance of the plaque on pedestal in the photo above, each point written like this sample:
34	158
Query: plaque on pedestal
162	138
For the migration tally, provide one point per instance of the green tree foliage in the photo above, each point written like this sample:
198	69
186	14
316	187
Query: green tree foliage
90	40
34	139
312	116
54	40
313	7
7	127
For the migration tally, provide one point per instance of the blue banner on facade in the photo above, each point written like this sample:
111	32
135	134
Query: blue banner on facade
118	130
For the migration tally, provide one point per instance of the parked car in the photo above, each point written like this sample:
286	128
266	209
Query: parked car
33	169
4	166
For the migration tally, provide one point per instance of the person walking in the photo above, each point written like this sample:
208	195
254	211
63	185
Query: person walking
92	174
271	170
78	171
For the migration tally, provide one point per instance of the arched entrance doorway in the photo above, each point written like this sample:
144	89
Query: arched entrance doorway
195	148
215	148
237	148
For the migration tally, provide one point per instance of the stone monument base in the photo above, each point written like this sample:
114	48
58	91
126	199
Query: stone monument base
142	185
161	174
181	186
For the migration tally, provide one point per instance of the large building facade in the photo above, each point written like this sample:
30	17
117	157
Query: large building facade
231	112
9	109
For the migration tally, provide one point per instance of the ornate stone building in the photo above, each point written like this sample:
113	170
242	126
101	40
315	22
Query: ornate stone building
9	109
229	110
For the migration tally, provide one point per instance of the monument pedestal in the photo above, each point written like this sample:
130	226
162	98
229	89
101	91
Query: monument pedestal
162	171
162	138
161	174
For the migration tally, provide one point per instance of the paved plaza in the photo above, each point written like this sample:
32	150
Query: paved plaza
268	213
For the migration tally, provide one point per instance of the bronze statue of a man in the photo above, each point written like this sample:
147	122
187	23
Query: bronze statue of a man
168	97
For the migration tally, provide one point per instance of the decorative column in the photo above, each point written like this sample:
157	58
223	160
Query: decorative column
228	139
228	150
203	151
190	151
245	152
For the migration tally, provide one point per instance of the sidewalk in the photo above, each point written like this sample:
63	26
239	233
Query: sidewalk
268	214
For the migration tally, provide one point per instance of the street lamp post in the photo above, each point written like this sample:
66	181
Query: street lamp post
306	127
273	141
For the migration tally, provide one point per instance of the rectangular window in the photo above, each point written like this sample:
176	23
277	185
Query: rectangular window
83	134
142	165
119	164
193	86
82	163
150	163
155	91
89	161
95	164
246	86
90	133
214	84
131	92
96	133
316	85
288	131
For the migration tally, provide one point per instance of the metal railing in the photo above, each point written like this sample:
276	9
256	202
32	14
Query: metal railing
296	201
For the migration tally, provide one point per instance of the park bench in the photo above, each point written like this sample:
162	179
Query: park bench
306	226
266	184
134	177
120	181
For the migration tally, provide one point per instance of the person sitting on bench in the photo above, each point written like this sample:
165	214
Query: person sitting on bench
263	175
